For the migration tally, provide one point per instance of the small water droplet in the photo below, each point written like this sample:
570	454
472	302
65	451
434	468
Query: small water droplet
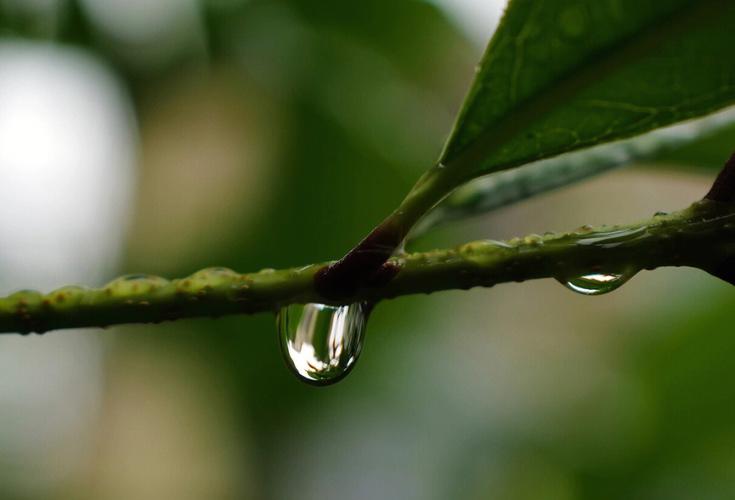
597	283
321	343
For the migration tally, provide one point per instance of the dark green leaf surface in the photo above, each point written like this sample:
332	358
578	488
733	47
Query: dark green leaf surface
561	75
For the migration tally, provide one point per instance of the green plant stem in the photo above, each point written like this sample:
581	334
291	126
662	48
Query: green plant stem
344	277
701	236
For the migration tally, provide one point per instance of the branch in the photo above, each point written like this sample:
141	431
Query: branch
701	236
344	277
507	187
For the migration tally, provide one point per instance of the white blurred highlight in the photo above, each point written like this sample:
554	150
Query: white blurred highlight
478	18
66	179
66	157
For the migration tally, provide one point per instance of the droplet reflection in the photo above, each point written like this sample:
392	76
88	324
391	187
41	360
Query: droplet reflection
321	343
597	283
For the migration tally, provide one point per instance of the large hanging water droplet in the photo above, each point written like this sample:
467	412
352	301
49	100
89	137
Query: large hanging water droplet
321	343
597	283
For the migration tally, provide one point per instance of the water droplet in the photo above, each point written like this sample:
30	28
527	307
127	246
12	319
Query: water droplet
597	283
321	343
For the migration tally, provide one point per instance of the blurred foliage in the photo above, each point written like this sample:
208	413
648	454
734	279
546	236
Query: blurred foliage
319	78
708	153
332	109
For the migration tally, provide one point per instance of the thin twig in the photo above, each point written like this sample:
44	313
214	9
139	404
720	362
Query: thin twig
701	236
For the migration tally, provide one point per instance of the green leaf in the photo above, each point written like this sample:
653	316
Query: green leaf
561	75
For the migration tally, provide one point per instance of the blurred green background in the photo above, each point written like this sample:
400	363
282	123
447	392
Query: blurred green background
162	136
